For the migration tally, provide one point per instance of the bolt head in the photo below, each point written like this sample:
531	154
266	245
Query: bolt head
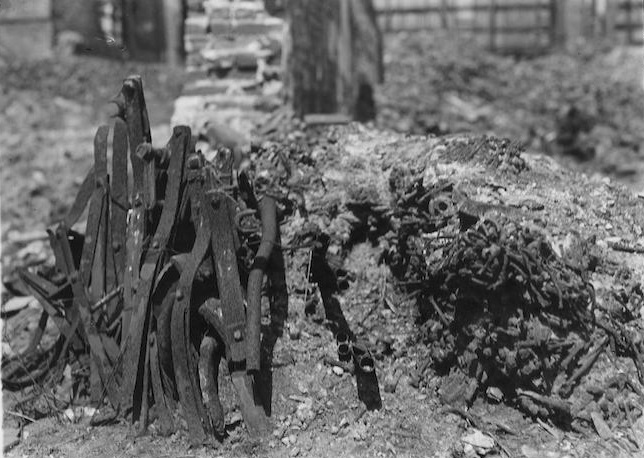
237	335
116	246
178	294
155	244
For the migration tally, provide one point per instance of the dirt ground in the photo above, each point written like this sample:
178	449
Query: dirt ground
50	111
51	114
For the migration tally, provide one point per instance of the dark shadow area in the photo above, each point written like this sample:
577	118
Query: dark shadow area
365	109
326	278
368	389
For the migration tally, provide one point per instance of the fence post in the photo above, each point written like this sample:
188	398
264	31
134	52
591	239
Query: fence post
334	57
629	22
492	13
443	13
610	14
173	18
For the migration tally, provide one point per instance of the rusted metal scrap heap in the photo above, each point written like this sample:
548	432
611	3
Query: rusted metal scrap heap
504	314
165	281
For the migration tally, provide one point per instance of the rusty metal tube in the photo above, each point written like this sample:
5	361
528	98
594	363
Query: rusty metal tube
209	357
344	346
362	357
268	216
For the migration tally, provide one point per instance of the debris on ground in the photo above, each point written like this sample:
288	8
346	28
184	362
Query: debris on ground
510	306
165	283
581	105
497	295
126	310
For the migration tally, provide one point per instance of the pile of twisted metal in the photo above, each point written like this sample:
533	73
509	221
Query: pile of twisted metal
156	292
504	315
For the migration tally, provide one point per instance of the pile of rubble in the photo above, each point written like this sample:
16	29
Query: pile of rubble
231	46
233	70
223	36
166	281
505	315
576	104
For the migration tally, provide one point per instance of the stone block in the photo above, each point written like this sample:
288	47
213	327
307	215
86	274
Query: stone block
239	10
259	26
188	107
209	86
241	58
196	24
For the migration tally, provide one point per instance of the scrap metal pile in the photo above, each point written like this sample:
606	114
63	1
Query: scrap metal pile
504	314
165	281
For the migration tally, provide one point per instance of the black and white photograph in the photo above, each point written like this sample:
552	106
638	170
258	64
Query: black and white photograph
322	228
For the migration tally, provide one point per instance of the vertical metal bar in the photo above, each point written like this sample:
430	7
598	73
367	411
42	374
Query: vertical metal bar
187	386
119	194
138	127
93	233
139	325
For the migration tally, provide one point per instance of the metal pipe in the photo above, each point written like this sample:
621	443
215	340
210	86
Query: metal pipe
268	217
344	346
362	357
209	357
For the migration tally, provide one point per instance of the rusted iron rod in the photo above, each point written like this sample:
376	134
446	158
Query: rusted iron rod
268	216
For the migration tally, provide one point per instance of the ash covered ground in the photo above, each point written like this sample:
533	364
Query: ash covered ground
499	292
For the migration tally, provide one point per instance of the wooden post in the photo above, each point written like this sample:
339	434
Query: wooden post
570	17
333	57
173	19
629	21
143	29
311	62
564	18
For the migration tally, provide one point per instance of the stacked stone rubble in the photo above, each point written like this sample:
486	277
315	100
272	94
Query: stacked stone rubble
233	51
223	36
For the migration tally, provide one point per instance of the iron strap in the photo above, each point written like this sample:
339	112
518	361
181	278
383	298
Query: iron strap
138	326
